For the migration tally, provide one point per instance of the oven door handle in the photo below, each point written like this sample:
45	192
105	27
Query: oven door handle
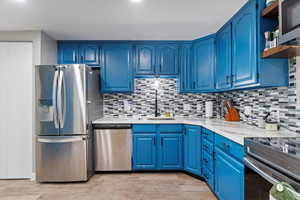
252	166
266	176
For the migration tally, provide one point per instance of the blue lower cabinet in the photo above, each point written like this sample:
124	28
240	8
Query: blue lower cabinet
144	152
157	147
229	177
209	177
192	150
170	151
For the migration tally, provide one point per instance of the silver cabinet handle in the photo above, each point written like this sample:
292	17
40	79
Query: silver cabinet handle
54	98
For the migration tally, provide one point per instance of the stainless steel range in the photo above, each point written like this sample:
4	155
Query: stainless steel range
269	161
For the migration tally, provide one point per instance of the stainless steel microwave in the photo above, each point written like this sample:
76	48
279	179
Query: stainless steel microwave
289	22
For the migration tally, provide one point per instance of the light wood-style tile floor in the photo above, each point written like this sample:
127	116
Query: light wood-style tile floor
119	186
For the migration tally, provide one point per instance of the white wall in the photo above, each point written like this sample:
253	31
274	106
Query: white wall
48	50
16	105
44	52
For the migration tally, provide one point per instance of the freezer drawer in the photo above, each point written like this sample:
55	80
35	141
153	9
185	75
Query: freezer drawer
113	149
62	159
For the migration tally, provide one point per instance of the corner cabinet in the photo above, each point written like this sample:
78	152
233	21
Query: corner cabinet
244	40
117	68
204	64
223	58
192	150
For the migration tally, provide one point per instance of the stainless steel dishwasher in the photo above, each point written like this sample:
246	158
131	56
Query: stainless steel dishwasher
113	147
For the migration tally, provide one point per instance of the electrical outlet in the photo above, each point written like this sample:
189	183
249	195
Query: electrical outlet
186	107
248	110
199	107
127	105
275	113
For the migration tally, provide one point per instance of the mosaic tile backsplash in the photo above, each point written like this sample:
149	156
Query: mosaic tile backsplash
141	103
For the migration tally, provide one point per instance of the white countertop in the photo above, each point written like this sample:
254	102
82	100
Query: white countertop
235	131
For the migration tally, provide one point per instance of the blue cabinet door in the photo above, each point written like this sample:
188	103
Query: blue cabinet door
204	62
89	54
185	68
229	177
145	60
68	53
192	150
244	60
223	58
170	151
144	152
117	72
167	60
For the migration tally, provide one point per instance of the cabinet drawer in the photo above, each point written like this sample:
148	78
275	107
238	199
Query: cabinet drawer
209	177
208	135
144	128
208	162
170	128
207	147
230	147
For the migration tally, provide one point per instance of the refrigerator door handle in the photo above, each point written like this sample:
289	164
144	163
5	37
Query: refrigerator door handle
54	98
65	140
61	99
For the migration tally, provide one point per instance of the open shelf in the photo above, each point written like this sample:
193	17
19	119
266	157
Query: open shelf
271	11
282	51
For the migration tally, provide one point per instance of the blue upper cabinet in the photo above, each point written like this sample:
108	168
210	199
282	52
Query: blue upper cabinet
244	58
185	68
77	53
170	153
145	60
223	58
68	53
192	150
167	60
89	54
204	63
117	68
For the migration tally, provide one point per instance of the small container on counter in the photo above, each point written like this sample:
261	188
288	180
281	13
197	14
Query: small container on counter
272	126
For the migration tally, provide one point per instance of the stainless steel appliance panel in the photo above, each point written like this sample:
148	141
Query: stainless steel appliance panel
113	150
94	97
289	22
62	158
46	100
71	100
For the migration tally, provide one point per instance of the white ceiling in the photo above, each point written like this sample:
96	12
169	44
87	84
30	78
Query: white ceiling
118	19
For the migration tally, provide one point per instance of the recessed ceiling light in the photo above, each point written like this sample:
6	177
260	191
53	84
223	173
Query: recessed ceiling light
136	1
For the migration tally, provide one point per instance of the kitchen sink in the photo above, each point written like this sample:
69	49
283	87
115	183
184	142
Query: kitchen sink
160	118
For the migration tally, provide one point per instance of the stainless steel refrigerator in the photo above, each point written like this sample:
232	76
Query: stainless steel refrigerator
68	99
